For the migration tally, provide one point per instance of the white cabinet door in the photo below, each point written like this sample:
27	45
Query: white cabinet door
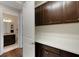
28	29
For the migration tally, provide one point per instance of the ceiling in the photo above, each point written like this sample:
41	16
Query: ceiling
38	3
13	4
19	4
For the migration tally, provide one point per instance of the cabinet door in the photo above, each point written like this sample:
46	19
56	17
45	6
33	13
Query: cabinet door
52	49
37	17
38	50
47	53
78	9
54	12
9	40
49	13
67	54
70	12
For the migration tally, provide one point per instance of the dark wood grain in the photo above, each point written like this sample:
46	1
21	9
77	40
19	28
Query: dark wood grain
78	9
57	12
48	51
38	50
70	12
9	39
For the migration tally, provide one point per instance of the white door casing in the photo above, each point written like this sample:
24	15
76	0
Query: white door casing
28	29
1	29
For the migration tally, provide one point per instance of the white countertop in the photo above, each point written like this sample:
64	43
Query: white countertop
66	39
67	45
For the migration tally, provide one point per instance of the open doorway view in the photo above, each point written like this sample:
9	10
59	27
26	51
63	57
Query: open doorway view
11	35
10	24
10	29
17	29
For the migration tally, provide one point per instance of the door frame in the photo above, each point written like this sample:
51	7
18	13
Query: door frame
1	28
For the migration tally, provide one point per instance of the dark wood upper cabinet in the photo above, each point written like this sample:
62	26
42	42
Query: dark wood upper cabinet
56	12
49	13
40	15
70	12
78	9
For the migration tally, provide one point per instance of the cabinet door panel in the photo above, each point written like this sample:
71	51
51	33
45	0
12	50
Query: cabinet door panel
49	13
78	9
37	16
9	40
68	54
49	54
38	50
70	12
55	12
51	49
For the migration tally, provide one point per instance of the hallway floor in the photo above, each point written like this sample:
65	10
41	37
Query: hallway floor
14	53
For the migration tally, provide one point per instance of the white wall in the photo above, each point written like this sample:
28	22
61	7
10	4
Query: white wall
20	30
28	29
